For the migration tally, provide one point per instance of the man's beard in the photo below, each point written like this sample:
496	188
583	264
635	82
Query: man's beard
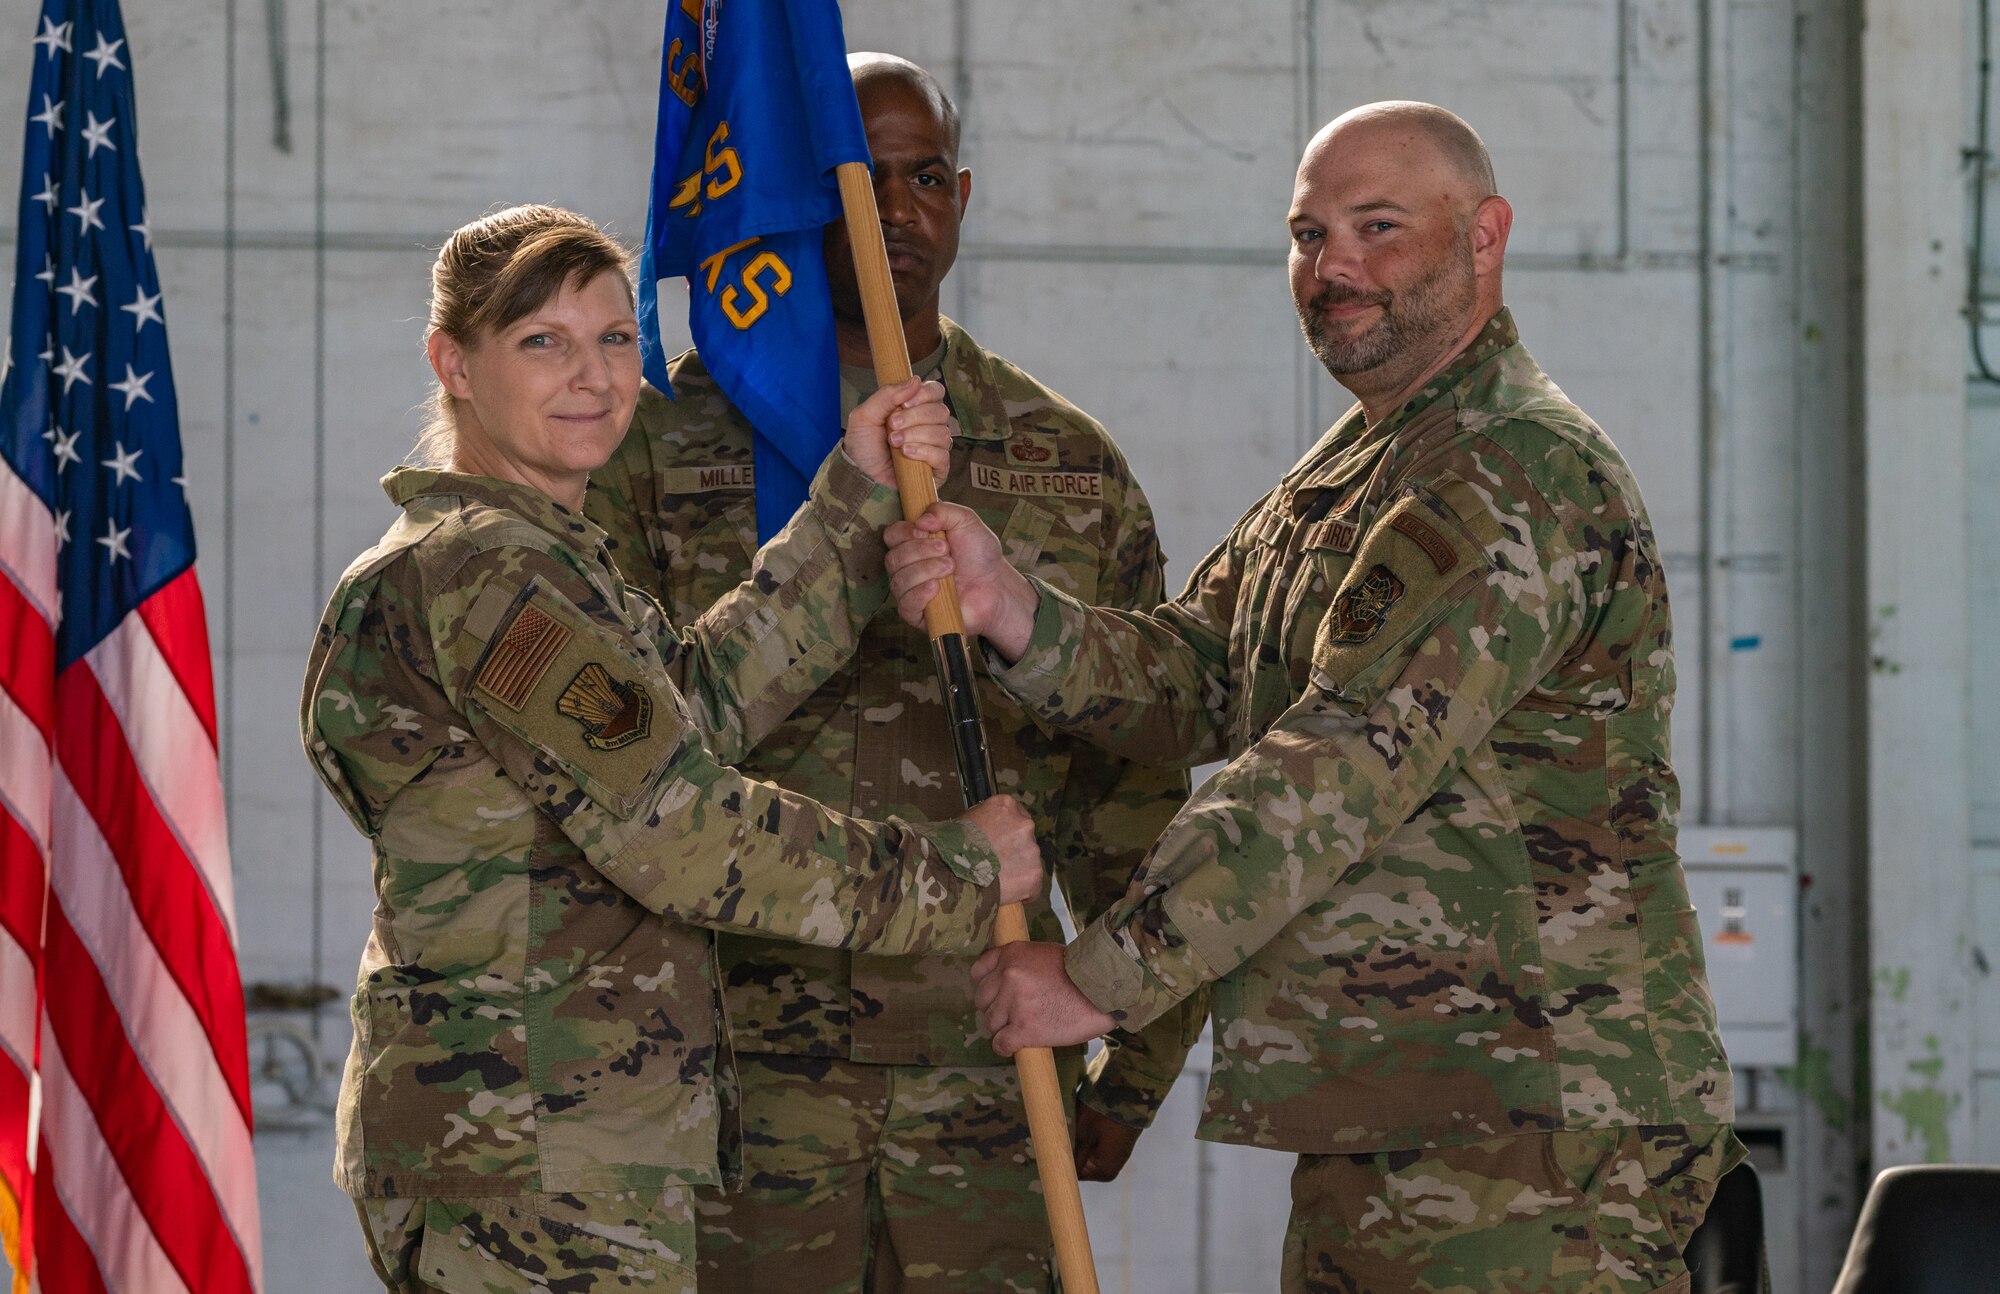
1425	312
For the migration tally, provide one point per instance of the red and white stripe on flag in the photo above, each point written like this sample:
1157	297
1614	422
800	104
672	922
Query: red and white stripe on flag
27	706
114	881
125	1154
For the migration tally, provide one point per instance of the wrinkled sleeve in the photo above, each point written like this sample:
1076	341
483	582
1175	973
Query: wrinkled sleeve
584	715
1481	600
1152	687
1111	812
765	646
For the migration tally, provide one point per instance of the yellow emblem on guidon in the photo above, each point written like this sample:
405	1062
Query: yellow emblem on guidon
613	714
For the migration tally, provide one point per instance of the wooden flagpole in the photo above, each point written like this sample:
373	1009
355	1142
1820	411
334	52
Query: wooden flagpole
1048	1129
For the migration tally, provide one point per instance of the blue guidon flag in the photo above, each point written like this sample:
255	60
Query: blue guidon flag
756	110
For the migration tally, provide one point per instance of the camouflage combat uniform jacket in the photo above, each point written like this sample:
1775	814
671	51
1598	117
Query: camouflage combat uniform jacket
1436	888
536	758
677	501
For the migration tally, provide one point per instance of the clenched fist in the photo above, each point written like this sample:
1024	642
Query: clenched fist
1012	830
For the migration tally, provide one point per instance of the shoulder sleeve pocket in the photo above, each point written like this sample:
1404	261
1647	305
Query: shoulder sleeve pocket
564	684
1412	564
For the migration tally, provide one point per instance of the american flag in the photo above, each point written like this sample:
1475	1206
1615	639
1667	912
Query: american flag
125	1153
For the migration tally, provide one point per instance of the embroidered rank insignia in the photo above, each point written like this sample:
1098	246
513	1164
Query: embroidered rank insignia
1359	613
1425	536
522	656
1021	449
613	714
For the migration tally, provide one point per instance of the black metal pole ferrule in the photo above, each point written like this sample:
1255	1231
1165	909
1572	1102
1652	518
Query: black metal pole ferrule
961	705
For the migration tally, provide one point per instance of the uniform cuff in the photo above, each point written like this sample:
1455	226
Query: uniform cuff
1115	983
1130	1078
1135	978
964	849
971	859
849	499
1045	664
1120	1094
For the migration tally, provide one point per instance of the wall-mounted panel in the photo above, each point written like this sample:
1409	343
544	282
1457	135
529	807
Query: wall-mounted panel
1982	453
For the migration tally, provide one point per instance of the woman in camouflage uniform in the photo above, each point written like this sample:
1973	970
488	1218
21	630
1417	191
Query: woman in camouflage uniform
540	761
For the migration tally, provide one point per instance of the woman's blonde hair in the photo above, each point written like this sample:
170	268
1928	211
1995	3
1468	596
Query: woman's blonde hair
496	271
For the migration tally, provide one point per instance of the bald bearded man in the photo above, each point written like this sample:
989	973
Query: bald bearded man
1435	888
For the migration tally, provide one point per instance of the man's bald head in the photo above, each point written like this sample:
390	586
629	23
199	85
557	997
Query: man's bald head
1454	144
872	69
1398	245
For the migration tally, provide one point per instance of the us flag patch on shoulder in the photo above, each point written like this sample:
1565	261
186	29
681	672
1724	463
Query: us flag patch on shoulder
523	654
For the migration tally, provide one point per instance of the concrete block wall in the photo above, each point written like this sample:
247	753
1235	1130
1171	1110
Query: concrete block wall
1126	242
1983	603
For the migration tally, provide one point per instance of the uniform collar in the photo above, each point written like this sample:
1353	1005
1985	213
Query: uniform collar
1351	445
405	486
1499	334
973	386
858	381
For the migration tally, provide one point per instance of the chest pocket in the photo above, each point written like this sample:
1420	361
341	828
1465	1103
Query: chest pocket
1321	554
712	553
1041	541
1021	539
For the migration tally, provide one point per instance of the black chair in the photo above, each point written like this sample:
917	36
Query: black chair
1926	1229
1726	1253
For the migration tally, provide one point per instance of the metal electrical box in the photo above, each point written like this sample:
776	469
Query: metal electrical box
1745	886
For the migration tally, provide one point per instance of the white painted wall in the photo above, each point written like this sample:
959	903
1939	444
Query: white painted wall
1678	267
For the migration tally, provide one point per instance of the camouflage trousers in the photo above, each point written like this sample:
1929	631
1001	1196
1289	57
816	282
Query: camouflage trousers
877	1179
1602	1212
583	1243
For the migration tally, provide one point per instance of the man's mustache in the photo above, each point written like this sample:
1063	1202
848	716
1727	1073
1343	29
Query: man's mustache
1339	294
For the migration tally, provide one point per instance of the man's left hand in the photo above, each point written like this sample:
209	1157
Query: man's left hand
1026	999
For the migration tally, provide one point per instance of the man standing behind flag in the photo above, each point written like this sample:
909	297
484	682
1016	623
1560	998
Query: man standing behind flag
885	1144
